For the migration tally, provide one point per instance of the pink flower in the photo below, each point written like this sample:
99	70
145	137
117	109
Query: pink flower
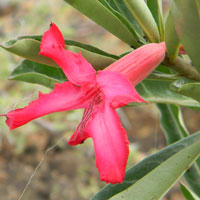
182	50
98	93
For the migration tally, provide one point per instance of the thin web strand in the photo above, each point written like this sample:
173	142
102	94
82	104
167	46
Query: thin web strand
37	167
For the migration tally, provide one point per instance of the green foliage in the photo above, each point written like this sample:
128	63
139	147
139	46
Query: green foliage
149	89
174	129
152	177
187	87
122	8
155	6
144	17
172	122
186	18
188	194
157	91
104	15
33	72
171	39
29	47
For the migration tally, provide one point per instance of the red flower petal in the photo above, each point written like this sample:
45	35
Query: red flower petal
79	136
110	143
182	50
103	125
75	66
65	96
138	64
118	90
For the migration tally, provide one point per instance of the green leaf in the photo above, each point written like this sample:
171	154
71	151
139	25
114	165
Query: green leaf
172	123
174	129
143	15
29	47
192	177
186	18
153	176
104	15
122	8
188	194
164	69
157	91
187	87
171	39
33	72
155	7
113	4
156	183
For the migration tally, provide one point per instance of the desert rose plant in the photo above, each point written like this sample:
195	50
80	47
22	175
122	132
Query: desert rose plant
163	68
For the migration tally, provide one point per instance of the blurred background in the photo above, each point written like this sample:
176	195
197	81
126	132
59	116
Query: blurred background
35	160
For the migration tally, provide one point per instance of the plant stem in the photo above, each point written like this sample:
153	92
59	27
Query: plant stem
183	68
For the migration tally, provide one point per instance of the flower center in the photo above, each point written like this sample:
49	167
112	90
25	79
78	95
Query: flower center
96	99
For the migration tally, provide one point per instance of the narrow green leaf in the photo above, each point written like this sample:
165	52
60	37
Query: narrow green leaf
188	194
186	18
192	177
155	7
171	39
172	123
122	8
143	15
164	69
187	87
113	4
33	72
174	129
104	15
29	47
157	182
157	91
98	61
121	18
161	164
191	90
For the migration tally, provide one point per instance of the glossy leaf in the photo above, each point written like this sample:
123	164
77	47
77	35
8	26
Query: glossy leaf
174	129
171	39
188	194
157	91
33	72
104	15
122	19
172	123
192	177
155	7
122	8
29	47
142	14
145	179
186	18
167	172
187	87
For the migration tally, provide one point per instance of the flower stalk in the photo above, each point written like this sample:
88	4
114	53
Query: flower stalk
183	68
